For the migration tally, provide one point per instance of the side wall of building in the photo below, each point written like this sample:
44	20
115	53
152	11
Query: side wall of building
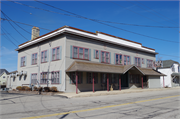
58	65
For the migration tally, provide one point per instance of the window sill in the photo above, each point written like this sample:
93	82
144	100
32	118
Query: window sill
105	62
119	64
97	58
55	83
43	62
22	66
56	60
34	64
81	59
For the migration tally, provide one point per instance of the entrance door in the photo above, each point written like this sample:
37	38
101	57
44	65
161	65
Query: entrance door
124	80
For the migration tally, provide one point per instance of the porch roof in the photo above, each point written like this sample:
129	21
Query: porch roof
175	74
87	66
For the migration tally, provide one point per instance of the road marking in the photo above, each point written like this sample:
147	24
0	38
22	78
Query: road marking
97	108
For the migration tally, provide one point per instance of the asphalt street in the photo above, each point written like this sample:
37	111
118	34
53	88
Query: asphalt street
143	105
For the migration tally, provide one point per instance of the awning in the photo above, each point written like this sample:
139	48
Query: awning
175	74
86	66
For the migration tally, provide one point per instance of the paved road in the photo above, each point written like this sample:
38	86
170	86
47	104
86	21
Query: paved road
143	105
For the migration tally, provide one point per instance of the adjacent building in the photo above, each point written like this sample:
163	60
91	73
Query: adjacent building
171	69
77	60
3	77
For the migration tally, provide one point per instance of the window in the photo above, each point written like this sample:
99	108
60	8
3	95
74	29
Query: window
34	79
173	69
44	56
103	78
149	63
127	60
44	77
137	61
55	53
22	61
34	58
80	53
4	77
55	77
118	59
135	78
105	57
142	60
96	54
178	68
114	78
73	77
14	78
90	78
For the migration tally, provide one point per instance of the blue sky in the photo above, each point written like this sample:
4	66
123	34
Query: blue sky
118	11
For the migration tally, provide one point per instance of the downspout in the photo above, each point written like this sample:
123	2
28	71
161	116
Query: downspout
65	66
39	65
49	55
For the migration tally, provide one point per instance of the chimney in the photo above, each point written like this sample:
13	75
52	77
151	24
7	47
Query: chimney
35	32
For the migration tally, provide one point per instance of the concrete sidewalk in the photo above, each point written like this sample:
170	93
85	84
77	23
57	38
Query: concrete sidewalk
115	92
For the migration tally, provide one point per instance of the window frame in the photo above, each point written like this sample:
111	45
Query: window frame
119	59
126	59
33	63
173	68
36	77
90	81
78	53
142	60
105	57
56	77
45	79
148	64
137	61
80	78
97	57
43	56
55	53
23	64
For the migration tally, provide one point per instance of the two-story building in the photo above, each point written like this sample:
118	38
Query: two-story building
171	69
77	60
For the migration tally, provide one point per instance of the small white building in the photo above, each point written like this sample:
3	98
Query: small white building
171	69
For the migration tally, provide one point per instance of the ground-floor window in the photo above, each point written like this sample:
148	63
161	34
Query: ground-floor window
44	77
113	78
103	78
34	78
73	77
55	77
135	78
90	78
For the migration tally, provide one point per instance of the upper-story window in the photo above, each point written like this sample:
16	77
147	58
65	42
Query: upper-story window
44	56
137	61
55	77
105	57
118	59
142	60
55	53
178	68
149	63
173	69
96	54
23	61
127	60
80	53
34	58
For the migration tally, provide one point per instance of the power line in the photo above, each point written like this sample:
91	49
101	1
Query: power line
135	12
111	25
148	11
170	55
25	24
154	11
14	27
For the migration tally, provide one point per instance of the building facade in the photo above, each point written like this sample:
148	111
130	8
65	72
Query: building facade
171	69
76	60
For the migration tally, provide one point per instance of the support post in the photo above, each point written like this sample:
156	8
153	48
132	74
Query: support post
93	82
76	83
163	81
142	81
119	81
107	82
